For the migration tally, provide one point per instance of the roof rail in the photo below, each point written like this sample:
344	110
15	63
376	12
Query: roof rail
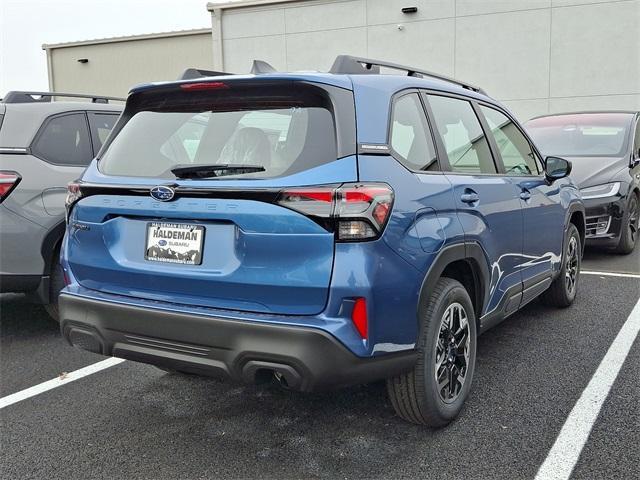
193	73
46	97
347	64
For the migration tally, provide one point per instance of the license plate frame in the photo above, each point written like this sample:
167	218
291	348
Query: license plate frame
176	247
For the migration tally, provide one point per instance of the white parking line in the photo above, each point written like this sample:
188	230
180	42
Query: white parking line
566	450
58	382
610	274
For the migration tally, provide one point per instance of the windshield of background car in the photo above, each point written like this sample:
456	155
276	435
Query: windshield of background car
282	129
582	135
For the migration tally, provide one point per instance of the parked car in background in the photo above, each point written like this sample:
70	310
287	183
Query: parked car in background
604	148
44	144
322	229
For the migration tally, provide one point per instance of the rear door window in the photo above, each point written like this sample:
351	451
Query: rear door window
284	134
461	133
101	125
64	140
410	135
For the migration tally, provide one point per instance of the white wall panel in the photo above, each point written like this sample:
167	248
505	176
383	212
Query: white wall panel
253	23
427	44
507	53
327	16
390	11
526	109
595	49
318	50
239	53
479	7
600	102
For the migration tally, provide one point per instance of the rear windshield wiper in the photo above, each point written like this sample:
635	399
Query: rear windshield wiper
209	171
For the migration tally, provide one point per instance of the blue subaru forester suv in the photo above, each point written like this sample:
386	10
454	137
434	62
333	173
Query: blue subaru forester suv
320	229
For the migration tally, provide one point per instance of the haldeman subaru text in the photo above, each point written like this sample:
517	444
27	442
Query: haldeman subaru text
320	229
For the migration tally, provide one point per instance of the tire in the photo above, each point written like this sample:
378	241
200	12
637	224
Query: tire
562	291
415	395
56	283
629	228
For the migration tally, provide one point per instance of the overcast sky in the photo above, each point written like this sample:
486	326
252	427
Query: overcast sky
26	24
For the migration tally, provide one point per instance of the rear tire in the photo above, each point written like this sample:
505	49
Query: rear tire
629	228
56	283
447	344
562	291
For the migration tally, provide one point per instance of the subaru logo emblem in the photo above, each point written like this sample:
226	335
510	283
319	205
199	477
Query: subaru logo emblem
162	193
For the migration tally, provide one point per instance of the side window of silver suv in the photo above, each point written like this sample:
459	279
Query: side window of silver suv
64	140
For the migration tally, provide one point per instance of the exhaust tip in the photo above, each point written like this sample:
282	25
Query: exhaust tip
256	371
85	340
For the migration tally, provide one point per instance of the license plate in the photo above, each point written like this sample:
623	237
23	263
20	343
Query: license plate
174	243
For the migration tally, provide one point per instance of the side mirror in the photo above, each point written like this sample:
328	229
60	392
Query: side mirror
556	168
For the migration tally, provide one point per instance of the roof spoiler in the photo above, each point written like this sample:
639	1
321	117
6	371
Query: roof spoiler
47	97
349	65
258	67
193	73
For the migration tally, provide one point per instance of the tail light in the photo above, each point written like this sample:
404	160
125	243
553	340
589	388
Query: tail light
356	212
73	195
8	181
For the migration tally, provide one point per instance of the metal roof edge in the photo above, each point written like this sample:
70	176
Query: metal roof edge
146	36
225	5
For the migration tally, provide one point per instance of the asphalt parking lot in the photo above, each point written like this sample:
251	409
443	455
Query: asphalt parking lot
134	421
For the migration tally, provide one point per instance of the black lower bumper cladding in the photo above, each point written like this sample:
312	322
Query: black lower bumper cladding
304	359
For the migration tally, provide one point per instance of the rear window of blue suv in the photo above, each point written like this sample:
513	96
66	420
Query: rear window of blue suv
271	131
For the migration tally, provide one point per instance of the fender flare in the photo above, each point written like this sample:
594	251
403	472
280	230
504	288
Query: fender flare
49	243
471	252
575	206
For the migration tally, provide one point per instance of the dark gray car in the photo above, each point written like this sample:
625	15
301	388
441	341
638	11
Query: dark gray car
44	144
604	148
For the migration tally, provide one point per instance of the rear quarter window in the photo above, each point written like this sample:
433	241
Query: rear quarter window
64	140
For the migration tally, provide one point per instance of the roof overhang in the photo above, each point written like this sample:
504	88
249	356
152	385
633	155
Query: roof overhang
147	36
212	6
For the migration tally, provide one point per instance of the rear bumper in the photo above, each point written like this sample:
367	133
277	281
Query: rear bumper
305	358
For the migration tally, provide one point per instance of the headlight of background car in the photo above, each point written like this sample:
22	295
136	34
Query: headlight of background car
600	191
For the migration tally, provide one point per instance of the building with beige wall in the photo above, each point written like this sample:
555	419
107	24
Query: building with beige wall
113	65
537	56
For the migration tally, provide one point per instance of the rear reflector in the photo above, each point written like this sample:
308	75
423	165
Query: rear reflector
356	212
8	181
359	317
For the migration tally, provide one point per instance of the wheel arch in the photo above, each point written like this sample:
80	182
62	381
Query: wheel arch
49	244
576	216
465	262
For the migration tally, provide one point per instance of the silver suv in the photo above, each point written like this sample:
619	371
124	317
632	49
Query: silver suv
44	144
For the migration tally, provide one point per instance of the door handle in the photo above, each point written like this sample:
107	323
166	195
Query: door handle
525	195
469	197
